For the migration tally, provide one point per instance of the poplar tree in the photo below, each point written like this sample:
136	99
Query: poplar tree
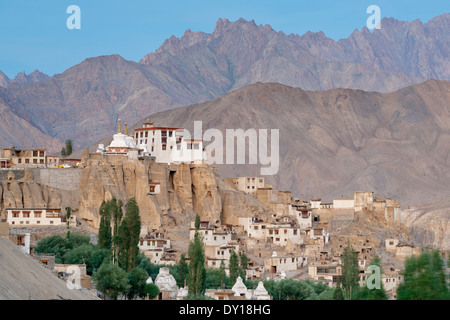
234	267
129	232
350	271
424	278
184	270
197	272
222	274
244	266
68	244
104	231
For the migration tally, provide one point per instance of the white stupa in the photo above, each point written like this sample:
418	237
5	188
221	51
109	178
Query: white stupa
166	282
121	142
261	293
239	288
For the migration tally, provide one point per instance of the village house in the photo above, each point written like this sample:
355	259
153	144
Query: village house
211	235
276	264
390	279
34	216
401	250
154	245
215	254
274	233
329	272
12	158
302	215
248	185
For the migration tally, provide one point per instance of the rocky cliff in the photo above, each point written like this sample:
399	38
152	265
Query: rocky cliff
185	190
430	223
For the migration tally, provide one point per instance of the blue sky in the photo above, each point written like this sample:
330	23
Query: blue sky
34	35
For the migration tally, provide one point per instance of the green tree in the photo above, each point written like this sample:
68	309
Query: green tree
63	152
424	278
99	256
111	280
183	271
129	232
350	272
137	281
151	290
222	274
234	267
338	294
68	244
52	245
57	245
197	222
116	212
81	255
104	231
197	272
244	266
68	148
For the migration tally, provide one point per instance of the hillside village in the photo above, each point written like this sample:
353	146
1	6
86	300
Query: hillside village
168	175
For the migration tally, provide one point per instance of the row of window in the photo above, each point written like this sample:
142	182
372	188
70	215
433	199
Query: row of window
28	222
26	160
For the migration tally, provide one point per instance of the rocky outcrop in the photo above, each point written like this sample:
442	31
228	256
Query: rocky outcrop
185	190
430	223
25	192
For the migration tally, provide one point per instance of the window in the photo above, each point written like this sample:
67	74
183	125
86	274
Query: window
189	146
163	147
41	154
20	160
35	153
34	160
27	160
196	146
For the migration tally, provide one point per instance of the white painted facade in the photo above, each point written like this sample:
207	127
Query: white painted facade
168	145
277	234
343	203
246	184
38	217
302	215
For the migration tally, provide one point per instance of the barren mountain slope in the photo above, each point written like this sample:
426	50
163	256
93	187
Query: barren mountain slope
337	141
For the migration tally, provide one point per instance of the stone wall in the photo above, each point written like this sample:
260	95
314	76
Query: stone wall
64	179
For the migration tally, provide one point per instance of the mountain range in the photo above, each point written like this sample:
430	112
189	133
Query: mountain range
357	113
84	102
